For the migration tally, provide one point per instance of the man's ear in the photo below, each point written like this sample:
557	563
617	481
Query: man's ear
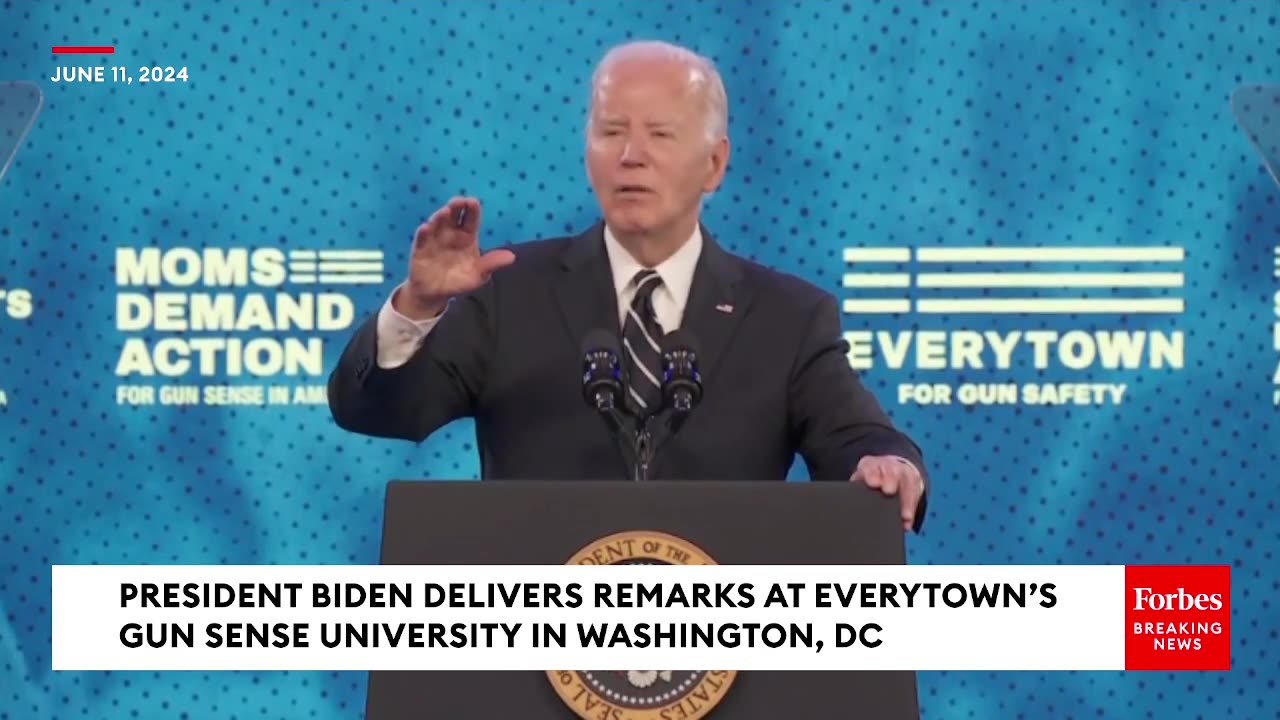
719	163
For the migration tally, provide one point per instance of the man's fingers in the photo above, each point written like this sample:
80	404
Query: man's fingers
431	227
910	498
860	475
495	260
912	488
454	225
463	214
891	479
471	216
872	475
425	229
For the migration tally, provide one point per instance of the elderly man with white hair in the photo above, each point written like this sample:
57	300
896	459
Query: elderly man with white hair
498	335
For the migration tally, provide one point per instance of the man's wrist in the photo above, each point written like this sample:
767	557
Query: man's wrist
416	309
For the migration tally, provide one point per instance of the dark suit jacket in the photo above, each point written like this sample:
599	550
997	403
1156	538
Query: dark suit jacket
774	369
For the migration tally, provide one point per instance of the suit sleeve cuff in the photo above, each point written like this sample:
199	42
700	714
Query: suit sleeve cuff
398	336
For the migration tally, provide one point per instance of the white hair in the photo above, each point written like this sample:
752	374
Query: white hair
703	78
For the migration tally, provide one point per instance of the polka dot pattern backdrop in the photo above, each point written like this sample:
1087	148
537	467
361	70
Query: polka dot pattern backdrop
318	126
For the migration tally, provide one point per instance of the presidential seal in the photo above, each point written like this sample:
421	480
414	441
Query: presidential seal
641	694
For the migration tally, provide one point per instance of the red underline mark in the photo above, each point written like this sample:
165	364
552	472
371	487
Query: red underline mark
83	50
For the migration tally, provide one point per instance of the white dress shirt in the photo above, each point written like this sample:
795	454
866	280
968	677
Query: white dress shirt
400	337
671	296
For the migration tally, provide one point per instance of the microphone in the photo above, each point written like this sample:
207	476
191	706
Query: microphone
681	382
601	371
603	391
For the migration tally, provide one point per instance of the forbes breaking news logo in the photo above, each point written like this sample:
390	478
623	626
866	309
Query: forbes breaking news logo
224	314
1144	598
995	286
1178	617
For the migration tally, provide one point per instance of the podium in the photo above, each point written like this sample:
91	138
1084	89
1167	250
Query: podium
549	522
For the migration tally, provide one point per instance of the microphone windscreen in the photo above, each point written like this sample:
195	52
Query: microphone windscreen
599	339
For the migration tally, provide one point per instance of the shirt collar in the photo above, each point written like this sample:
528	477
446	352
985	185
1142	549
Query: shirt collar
676	271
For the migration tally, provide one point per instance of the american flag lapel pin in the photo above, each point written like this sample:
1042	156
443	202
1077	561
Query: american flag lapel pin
725	308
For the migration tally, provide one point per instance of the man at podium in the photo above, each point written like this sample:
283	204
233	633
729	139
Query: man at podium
499	335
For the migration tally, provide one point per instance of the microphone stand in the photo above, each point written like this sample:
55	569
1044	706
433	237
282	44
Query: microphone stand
634	440
644	451
633	451
648	443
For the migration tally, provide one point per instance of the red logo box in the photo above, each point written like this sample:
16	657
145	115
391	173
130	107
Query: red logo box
1177	617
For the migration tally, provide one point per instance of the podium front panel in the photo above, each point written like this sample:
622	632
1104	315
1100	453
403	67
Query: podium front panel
532	523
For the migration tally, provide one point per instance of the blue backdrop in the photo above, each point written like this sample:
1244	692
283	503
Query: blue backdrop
319	129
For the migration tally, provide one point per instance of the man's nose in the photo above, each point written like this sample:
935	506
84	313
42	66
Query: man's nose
634	152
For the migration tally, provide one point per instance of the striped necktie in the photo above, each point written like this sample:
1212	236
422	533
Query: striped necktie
641	336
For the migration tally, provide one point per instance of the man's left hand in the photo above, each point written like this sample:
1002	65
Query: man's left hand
893	475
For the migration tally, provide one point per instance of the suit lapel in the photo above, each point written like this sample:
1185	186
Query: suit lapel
718	300
585	291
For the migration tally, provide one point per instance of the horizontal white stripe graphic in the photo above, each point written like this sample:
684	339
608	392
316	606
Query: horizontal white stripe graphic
350	279
350	254
877	306
1052	305
338	267
877	254
356	255
1049	280
1050	254
877	280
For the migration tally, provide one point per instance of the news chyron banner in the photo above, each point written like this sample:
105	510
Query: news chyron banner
747	618
1052	229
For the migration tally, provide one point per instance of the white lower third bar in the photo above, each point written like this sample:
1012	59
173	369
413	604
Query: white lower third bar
1053	305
